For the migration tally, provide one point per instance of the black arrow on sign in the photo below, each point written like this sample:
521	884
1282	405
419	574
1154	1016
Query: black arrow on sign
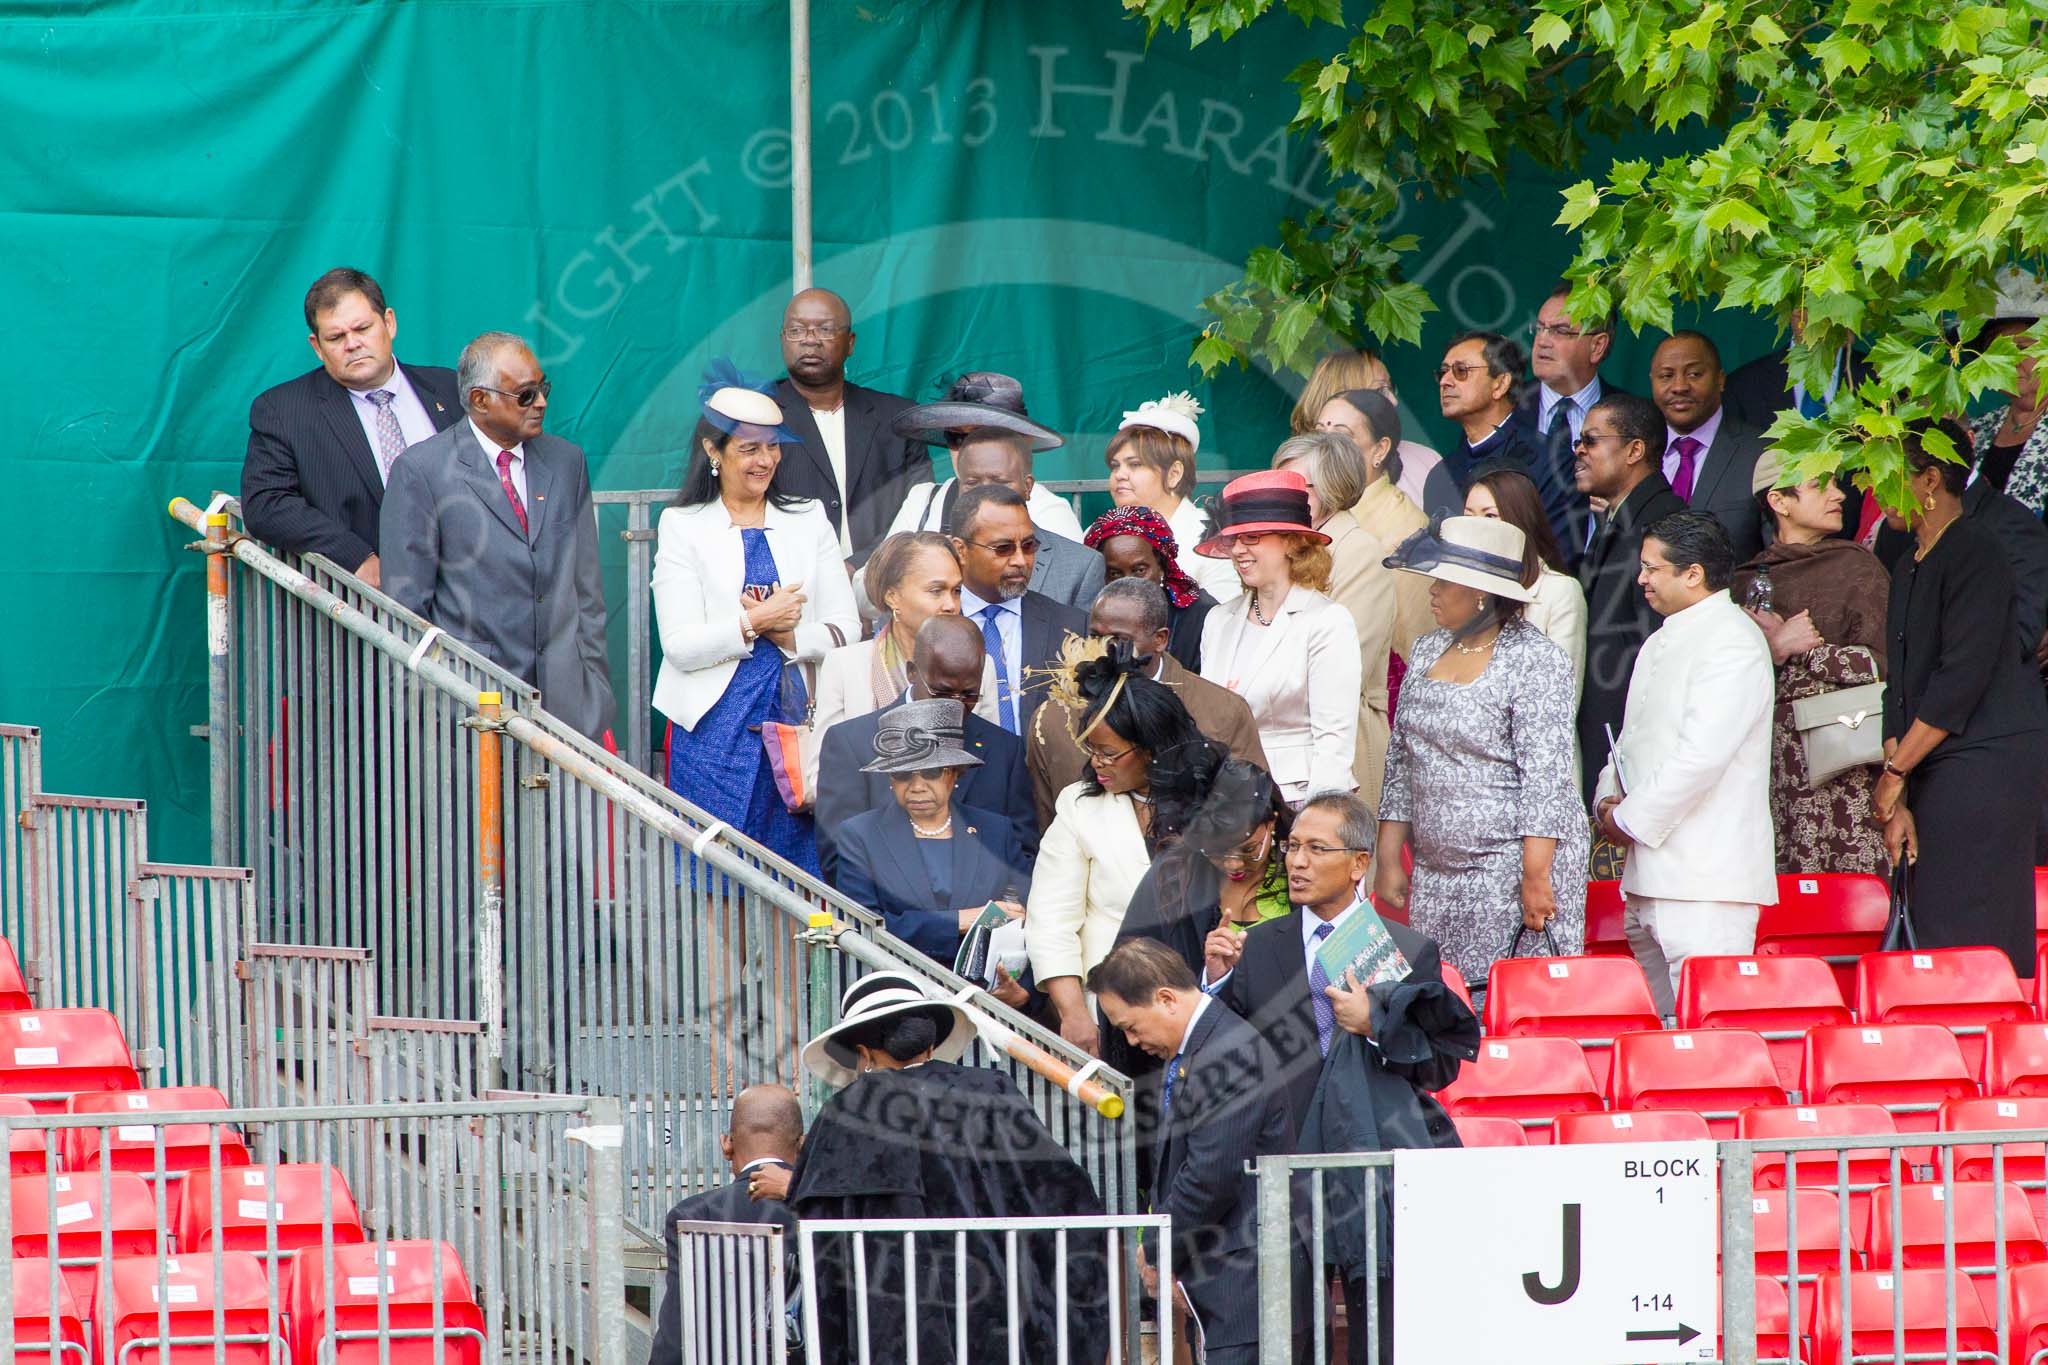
1680	1334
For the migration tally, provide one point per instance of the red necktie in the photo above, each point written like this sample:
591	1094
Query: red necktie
1688	449
519	508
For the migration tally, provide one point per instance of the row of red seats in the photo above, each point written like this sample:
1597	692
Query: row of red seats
324	1319
128	1146
1908	1069
1860	1306
47	1056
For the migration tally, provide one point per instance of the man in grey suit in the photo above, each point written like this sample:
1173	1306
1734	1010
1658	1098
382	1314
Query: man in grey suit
488	531
1709	452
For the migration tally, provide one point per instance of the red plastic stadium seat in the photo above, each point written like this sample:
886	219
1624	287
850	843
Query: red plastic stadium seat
2016	1059
1923	1294
2040	911
129	1301
1718	1072
293	1202
1773	1320
51	1055
1918	1231
36	1325
2040	996
1838	916
1641	1125
343	1330
1818	1227
1455	979
1962	989
28	1150
1868	1166
2028	1311
13	986
1478	1130
1591	999
1534	1079
70	1206
1908	1068
132	1146
2025	1162
1779	997
1604	909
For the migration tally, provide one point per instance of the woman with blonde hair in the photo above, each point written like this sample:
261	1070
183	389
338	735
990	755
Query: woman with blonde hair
1151	463
1284	646
1420	471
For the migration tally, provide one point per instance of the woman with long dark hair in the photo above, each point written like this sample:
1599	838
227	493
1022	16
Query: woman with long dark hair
1106	827
748	581
1559	607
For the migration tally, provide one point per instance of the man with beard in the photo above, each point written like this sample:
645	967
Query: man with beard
912	1134
850	459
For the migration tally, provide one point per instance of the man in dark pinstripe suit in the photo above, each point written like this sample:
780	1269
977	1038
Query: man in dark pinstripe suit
321	446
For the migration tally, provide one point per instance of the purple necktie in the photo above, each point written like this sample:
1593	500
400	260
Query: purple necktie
1318	990
1688	453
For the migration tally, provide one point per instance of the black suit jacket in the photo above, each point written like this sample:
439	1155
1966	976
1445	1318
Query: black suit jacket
1001	784
880	465
876	862
1047	624
1563	503
310	483
1270	988
1761	389
726	1204
1721	485
1618	618
1226	1111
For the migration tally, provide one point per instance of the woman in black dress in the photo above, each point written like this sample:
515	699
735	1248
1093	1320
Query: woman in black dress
1965	723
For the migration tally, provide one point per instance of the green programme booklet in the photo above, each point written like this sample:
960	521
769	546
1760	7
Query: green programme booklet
1362	945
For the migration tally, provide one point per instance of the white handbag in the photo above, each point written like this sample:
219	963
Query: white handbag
1840	730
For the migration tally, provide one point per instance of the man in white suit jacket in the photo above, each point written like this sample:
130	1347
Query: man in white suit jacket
1689	790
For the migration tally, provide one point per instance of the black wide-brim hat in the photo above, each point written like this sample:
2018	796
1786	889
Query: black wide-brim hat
980	399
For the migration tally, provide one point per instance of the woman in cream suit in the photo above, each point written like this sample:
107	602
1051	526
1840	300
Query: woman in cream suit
1360	582
1287	649
912	576
1373	424
1103	834
1559	606
747	580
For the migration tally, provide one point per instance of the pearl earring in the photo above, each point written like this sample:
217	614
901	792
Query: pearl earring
714	469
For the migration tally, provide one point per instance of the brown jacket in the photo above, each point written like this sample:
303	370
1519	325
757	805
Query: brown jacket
1056	761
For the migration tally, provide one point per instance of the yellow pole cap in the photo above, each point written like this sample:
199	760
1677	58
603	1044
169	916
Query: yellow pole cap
1111	1106
821	919
217	519
489	698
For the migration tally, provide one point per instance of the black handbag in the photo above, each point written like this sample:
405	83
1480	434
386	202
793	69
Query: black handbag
1514	948
1898	928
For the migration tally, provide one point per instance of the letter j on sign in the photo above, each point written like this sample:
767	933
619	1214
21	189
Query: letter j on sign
1593	1255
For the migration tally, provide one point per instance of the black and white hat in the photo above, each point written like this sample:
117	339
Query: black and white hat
882	995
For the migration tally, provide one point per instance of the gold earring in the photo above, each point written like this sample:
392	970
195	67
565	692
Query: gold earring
1926	502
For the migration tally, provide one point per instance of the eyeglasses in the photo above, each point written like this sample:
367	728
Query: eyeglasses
527	396
1563	331
1586	440
1461	371
1241	856
928	774
1290	847
1103	760
823	331
967	697
1003	549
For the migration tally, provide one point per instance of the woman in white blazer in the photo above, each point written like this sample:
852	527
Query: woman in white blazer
912	576
1559	608
1287	649
1103	834
746	581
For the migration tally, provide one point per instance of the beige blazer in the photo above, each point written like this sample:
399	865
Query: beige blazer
1386	512
1300	676
1559	611
1089	862
1362	584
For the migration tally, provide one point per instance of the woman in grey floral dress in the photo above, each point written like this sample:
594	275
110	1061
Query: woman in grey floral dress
1480	775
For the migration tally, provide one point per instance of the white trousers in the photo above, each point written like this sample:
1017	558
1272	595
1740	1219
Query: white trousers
1664	933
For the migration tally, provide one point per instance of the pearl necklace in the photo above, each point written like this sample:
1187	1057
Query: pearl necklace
941	832
1464	648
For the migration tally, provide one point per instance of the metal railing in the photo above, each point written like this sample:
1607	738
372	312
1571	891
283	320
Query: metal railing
1988	1273
732	1284
313	1225
641	513
396	794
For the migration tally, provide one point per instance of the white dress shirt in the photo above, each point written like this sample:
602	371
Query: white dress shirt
413	423
1201	1004
1010	627
1581	402
1704	433
1217	577
491	449
832	431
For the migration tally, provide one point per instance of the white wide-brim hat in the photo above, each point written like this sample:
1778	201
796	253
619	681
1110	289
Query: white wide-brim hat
880	995
1483	553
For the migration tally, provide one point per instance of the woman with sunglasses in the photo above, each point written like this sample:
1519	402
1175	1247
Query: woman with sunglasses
927	864
1106	827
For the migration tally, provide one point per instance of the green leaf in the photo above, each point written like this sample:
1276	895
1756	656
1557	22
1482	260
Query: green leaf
1741	216
1765	30
1291	327
1396	313
1548	32
1211	352
1579	202
1839	53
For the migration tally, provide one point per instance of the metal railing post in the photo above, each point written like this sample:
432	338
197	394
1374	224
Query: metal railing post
639	683
220	722
604	1140
1276	1261
1738	1254
490	856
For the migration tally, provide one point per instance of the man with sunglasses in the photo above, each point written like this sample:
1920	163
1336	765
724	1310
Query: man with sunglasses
489	532
321	447
1021	629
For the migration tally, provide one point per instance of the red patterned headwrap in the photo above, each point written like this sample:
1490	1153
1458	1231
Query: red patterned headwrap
1147	525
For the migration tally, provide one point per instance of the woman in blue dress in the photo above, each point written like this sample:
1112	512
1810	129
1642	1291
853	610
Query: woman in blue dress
748	584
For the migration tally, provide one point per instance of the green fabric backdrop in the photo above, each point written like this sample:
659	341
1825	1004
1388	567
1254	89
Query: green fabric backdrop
1022	187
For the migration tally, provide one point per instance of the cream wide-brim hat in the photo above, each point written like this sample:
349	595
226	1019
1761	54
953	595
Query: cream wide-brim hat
1481	553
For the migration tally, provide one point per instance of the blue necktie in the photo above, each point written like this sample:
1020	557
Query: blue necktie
992	640
1166	1099
1318	987
1811	405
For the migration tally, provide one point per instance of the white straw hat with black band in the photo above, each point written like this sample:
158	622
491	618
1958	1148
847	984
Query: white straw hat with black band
1483	553
883	995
